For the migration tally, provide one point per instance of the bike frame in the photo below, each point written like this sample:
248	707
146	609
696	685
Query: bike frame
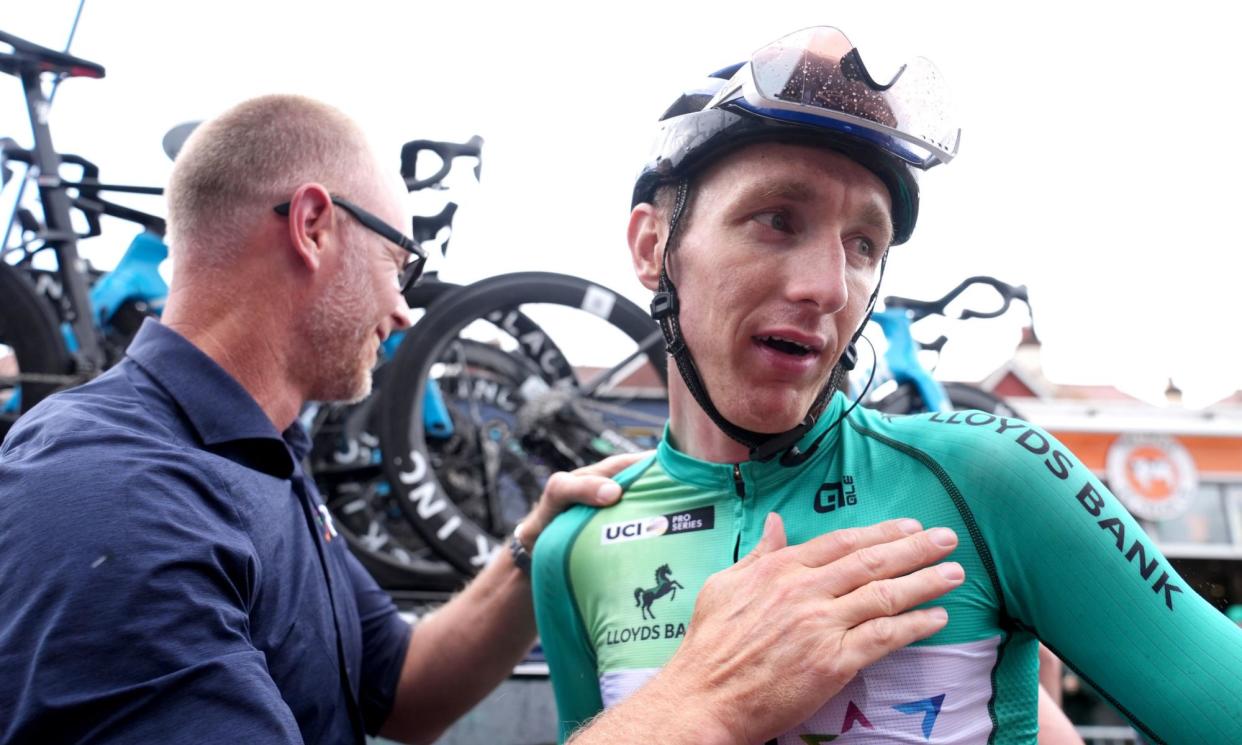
902	358
60	235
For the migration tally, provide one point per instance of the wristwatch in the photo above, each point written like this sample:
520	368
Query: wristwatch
521	557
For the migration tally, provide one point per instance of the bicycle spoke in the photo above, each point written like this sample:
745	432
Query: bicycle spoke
626	367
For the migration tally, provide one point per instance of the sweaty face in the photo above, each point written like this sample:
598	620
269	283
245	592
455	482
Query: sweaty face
774	271
360	305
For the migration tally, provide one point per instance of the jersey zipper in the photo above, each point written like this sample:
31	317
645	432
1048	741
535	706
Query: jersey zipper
740	487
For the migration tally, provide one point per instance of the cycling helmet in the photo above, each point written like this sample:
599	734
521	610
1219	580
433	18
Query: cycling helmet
810	87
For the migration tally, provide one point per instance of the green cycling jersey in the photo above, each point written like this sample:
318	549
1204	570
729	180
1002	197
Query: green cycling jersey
1049	555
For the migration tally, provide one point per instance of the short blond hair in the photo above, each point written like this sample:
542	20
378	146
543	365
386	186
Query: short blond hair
236	167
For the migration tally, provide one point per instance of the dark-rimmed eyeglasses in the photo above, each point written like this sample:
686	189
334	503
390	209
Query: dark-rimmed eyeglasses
408	276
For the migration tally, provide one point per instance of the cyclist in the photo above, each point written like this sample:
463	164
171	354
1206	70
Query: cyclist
763	225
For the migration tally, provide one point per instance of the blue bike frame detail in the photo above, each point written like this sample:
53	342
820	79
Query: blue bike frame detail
903	361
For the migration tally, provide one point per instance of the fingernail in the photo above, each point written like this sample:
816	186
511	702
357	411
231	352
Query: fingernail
938	614
951	570
910	526
942	536
768	524
608	492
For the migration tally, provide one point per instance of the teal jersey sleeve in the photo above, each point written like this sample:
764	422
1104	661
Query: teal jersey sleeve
1076	570
566	645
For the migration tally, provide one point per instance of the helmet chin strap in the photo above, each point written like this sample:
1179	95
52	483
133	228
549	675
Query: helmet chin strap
762	446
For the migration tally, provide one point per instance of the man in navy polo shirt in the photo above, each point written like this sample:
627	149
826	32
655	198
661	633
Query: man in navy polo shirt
168	572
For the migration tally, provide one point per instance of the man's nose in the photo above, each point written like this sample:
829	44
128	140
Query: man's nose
402	317
819	277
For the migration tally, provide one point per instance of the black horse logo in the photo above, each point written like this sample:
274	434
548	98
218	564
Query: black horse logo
664	586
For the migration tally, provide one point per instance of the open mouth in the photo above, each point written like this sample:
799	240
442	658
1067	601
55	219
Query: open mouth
785	346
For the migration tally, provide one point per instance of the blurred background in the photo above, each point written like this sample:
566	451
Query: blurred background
1093	165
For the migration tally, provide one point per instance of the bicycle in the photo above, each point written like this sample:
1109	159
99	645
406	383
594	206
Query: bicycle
914	387
66	324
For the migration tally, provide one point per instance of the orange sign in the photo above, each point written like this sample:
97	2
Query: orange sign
1152	475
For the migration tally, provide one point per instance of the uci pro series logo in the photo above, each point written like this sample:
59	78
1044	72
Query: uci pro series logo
703	518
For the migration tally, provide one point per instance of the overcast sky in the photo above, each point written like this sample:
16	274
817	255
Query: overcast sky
1096	166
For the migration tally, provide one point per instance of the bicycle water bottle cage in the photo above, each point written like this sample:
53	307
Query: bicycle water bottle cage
30	56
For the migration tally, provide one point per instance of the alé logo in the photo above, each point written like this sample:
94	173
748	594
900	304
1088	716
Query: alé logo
665	585
835	495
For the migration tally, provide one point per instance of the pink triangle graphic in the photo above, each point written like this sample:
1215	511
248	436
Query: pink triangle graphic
854	715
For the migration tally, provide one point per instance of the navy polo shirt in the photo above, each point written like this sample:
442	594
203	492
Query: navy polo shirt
168	572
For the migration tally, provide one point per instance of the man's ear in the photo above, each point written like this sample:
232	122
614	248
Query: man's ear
310	223
646	237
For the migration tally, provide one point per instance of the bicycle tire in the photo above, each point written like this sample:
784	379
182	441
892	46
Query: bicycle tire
461	540
28	327
962	396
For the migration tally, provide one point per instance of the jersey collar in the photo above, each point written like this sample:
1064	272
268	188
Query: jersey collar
685	468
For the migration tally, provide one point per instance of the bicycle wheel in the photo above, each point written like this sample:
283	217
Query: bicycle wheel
962	396
549	421
32	353
345	463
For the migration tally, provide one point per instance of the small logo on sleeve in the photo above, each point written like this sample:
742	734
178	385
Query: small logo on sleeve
702	518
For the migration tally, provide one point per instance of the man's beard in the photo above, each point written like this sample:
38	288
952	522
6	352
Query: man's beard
337	336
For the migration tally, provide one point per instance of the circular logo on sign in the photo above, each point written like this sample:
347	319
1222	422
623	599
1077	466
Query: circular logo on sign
654	526
1152	475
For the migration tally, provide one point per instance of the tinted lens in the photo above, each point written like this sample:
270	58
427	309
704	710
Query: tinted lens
818	69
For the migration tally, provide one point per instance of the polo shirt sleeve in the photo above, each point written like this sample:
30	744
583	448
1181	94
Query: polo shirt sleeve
126	588
385	639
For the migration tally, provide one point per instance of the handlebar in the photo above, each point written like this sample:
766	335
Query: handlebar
88	187
427	227
922	308
448	152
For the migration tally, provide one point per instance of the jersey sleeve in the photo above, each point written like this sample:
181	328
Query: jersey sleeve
562	631
1077	570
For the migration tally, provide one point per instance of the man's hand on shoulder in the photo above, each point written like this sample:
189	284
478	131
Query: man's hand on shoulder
590	485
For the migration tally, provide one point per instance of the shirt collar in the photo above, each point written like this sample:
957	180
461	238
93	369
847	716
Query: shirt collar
225	416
